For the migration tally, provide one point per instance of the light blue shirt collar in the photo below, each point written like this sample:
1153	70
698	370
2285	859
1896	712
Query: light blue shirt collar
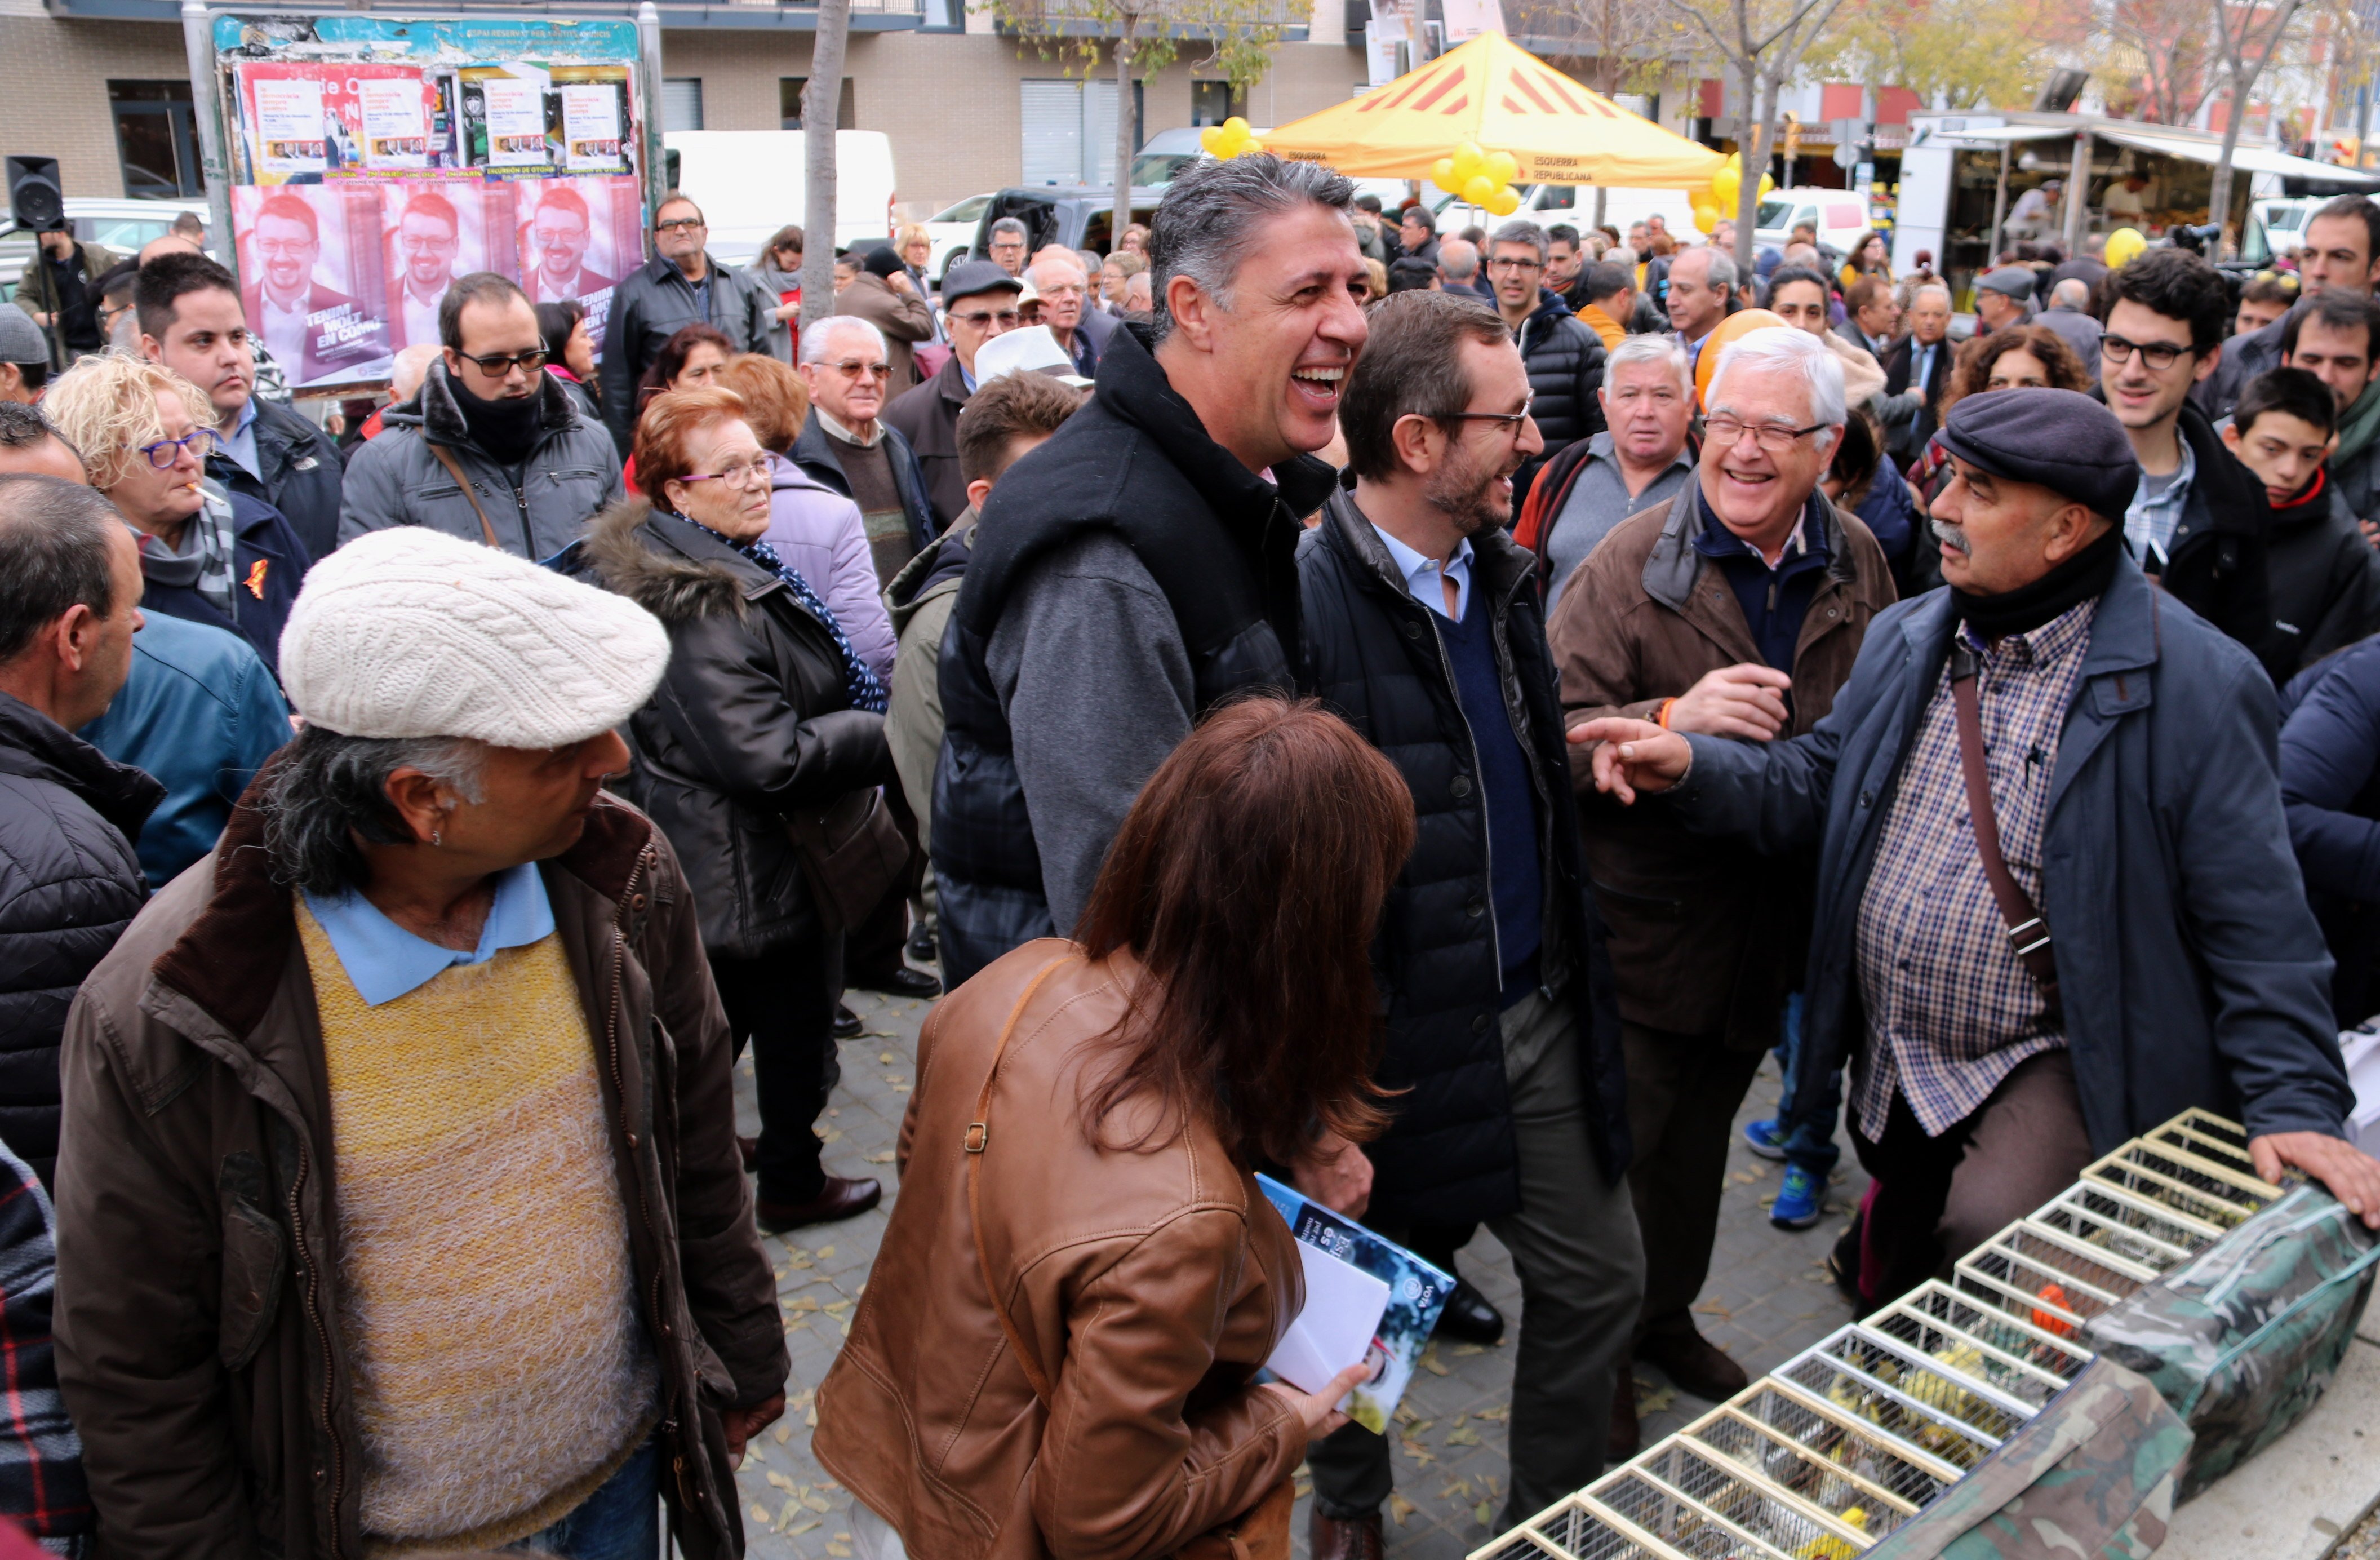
385	961
241	442
1422	575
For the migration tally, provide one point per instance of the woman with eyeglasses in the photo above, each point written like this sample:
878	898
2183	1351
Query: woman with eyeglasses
760	756
207	555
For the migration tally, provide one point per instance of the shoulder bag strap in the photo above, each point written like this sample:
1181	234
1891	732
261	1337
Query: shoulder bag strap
2027	933
978	1137
445	457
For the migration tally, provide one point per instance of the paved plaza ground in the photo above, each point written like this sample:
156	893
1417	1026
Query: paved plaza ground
1767	1298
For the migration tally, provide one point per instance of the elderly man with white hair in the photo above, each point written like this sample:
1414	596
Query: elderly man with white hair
1736	608
848	368
423	1069
1639	458
1066	290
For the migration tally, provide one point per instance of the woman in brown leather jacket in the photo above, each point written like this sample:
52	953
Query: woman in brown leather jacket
1054	1354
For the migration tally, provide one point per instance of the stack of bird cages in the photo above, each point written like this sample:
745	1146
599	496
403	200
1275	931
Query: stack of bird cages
1852	1437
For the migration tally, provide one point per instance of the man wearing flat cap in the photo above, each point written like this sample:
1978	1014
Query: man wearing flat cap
2118	935
2003	297
399	1200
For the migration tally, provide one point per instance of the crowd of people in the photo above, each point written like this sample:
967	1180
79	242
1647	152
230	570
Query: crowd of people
1421	715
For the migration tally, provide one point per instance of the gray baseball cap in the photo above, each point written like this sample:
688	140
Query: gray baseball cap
21	340
969	277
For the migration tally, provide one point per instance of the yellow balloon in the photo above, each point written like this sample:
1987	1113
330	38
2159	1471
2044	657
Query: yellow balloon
2124	246
1211	137
1236	127
1727	184
1768	186
1505	201
1470	163
1478	189
1706	215
1441	174
1503	167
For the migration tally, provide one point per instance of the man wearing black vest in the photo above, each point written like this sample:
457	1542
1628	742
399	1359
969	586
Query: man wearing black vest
1140	566
1502	1042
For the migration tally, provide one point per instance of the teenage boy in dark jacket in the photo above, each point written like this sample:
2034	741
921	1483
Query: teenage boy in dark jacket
1502	1040
2325	577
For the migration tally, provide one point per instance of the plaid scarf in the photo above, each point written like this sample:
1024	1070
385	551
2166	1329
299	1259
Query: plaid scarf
208	539
860	679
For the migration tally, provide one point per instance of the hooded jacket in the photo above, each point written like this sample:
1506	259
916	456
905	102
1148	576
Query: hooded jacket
299	472
920	599
1378	659
199	1269
2216	563
2326	582
1566	363
534	510
69	884
750	721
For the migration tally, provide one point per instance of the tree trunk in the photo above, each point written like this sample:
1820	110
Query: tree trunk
2218	201
821	103
1127	136
1753	148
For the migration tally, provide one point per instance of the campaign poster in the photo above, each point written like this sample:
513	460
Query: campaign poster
288	142
367	117
578	237
594	125
311	279
510	116
435	230
395	123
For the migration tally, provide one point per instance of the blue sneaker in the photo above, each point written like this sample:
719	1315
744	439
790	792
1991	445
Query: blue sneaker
1765	1139
1801	1202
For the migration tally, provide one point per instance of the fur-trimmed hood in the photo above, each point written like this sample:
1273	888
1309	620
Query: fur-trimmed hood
673	569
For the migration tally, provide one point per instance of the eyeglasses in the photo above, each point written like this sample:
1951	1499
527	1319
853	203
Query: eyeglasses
1511	263
2159	355
201	442
734	476
855	371
416	243
496	365
1772	438
678	224
286	249
1006	319
1511	419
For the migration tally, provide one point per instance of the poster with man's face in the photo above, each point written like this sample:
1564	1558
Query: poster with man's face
309	262
436	230
579	237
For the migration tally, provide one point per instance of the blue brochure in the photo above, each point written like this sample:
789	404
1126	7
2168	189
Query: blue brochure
1367	1298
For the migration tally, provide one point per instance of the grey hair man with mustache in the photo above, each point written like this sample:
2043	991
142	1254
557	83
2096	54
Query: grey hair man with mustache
2059	904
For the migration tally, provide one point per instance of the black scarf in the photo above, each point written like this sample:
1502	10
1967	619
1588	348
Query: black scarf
2080	578
507	428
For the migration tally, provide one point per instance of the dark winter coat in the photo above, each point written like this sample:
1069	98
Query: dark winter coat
2217	562
1566	363
2326	583
927	418
298	473
69	884
268	564
2330	788
750	722
819	454
654	302
1376	657
2193	973
1220	541
535	509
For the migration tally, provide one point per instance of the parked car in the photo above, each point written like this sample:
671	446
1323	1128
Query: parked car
1076	215
952	230
751	183
1839	215
121	225
1553	205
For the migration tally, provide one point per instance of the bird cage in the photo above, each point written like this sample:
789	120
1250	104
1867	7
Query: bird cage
1852	1437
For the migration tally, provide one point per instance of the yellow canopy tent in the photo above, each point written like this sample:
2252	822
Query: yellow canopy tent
1497	93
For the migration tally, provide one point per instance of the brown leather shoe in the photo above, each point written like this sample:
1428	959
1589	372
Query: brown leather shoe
1327	1538
841	1200
1696	1364
748	1149
1625	1439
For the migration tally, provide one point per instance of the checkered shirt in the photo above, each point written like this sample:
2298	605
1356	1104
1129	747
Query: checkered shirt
1950	1009
2150	522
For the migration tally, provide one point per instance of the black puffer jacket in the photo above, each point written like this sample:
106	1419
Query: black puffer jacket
2216	563
69	884
750	721
1566	363
651	304
1375	658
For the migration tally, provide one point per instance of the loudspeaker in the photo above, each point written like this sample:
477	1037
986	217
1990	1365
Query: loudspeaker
33	198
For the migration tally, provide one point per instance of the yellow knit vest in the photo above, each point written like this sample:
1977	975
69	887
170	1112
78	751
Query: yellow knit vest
486	1297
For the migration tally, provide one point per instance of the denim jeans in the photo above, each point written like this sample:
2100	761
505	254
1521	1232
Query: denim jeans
1809	1139
621	1521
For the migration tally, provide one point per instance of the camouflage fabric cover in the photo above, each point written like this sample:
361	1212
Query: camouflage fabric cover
2089	1477
2242	1339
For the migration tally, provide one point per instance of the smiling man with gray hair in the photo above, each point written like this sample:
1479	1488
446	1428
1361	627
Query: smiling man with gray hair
1735	608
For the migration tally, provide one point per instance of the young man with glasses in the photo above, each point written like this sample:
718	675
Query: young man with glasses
491	448
978	303
2198	523
681	286
1422	628
1735	608
847	446
1564	358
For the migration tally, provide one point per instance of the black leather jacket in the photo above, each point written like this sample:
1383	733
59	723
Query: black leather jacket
751	720
299	469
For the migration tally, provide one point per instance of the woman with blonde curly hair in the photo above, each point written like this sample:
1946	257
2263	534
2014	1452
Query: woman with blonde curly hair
207	555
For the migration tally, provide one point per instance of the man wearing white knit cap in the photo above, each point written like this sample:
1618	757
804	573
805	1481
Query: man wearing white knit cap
400	1205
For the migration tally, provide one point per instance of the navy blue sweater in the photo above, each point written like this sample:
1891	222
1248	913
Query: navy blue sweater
1516	876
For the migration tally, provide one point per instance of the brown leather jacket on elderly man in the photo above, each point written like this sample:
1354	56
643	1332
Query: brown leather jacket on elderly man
399	1202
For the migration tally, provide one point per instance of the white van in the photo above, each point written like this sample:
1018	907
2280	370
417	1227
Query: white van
751	183
1553	205
1839	215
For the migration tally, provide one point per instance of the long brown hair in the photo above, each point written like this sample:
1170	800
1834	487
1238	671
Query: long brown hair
1970	371
1249	880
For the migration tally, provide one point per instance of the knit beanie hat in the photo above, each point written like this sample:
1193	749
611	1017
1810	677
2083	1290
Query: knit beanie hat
410	632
